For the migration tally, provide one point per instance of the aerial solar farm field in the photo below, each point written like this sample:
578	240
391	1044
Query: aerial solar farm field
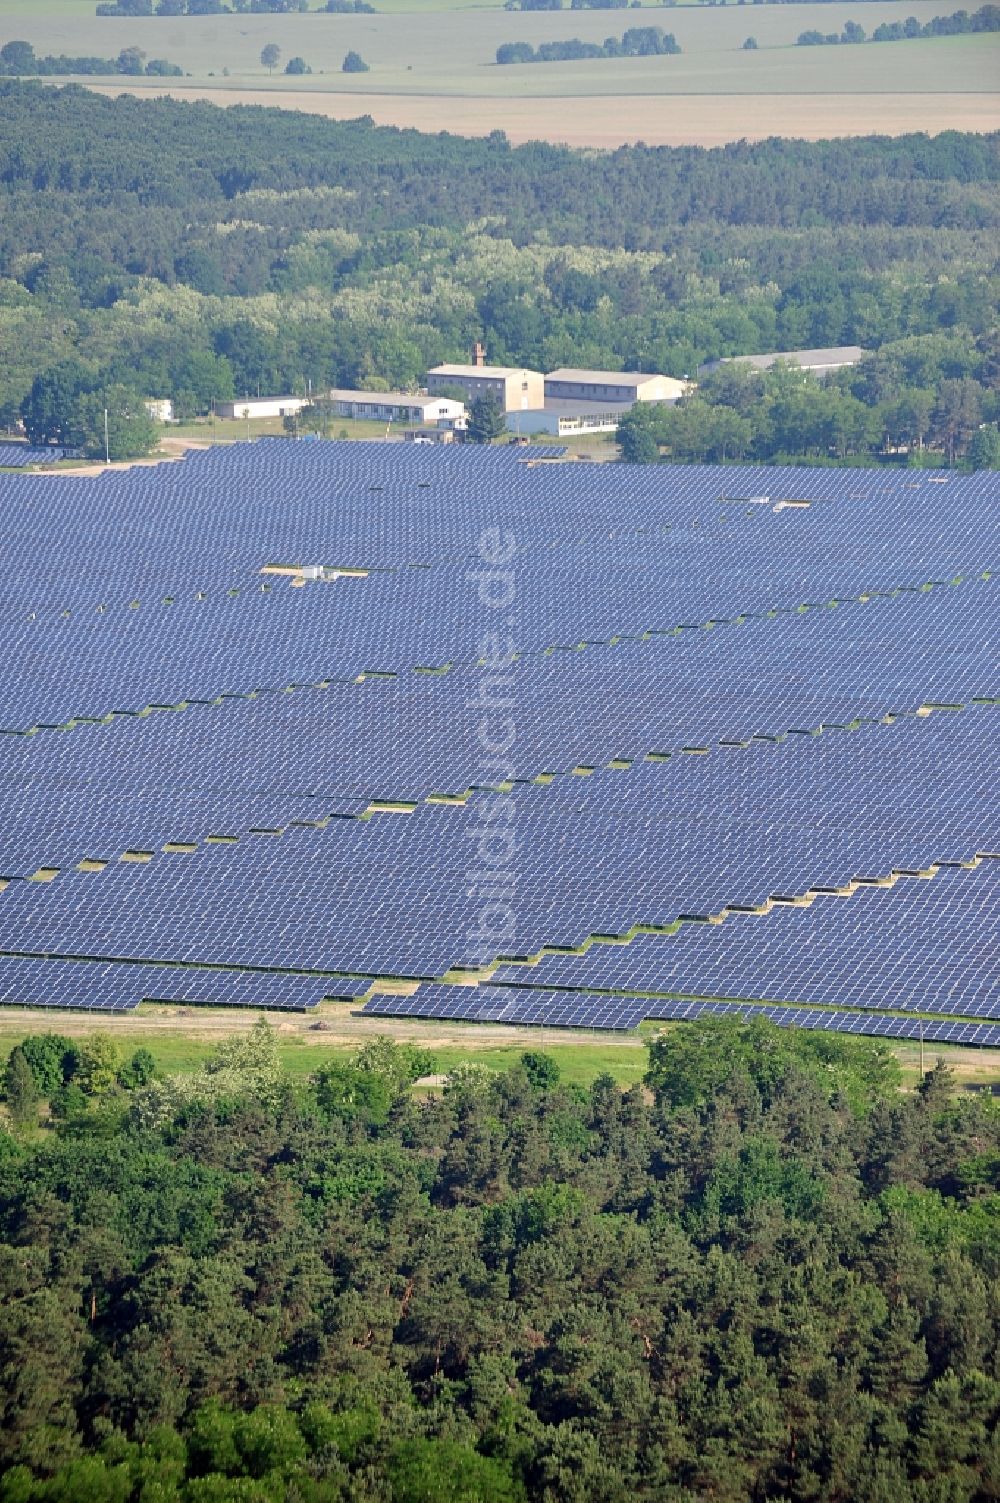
483	735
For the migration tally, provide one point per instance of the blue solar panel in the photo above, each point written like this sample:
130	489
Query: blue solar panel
110	986
498	1004
587	1010
17	456
716	700
924	945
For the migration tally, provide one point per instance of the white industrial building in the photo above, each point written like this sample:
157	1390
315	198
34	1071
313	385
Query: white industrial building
563	401
568	419
400	407
260	407
517	390
160	409
584	401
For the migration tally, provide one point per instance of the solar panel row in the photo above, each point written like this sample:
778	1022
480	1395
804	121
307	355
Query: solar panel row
496	1004
345	747
107	986
18	456
599	854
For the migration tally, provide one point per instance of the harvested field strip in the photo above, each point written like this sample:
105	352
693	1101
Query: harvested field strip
613	120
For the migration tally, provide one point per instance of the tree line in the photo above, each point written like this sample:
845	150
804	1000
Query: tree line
960	23
638	41
764	1273
201	7
18	59
66	142
900	403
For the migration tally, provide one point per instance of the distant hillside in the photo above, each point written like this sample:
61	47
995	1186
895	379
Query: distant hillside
187	250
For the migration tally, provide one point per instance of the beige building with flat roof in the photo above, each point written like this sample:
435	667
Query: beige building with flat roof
612	386
518	390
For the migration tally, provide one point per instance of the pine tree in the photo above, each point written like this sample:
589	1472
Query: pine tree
487	420
20	1090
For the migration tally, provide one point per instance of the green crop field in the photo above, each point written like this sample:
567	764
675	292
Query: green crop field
432	65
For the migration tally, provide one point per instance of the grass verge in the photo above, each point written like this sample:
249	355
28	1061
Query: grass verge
581	1059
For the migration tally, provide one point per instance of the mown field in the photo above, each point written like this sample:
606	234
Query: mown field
432	65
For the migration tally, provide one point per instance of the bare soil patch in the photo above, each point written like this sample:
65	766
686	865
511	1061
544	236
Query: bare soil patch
170	450
343	1025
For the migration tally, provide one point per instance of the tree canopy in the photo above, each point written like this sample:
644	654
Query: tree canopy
738	413
487	419
765	1273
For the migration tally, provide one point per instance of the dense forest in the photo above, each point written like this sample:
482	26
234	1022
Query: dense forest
767	1274
182	250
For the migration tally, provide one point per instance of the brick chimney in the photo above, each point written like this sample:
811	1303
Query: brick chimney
478	354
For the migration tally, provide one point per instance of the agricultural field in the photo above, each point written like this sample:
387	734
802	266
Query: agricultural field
692	120
433	67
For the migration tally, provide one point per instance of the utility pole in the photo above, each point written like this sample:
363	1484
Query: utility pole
107	446
921	1048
